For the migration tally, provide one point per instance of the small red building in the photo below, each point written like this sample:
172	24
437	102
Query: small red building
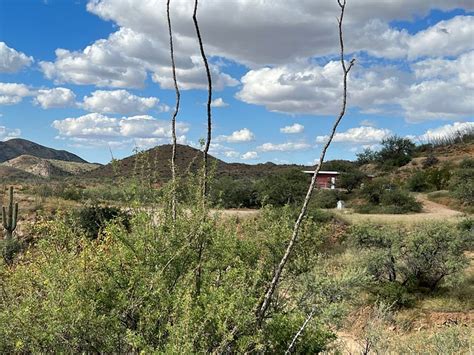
325	179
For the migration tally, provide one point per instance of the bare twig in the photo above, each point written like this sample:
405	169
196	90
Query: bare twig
263	307
209	101
173	119
300	331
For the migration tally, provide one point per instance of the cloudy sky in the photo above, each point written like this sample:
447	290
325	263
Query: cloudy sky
94	76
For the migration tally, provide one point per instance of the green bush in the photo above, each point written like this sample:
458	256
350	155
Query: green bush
288	187
325	199
351	180
232	193
93	219
393	294
396	151
382	196
422	256
418	182
462	184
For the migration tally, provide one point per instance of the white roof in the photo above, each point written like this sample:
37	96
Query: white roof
321	172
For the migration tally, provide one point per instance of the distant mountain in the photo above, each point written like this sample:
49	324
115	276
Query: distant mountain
156	163
48	168
16	147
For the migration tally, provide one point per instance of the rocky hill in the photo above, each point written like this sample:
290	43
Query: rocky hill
155	164
48	168
16	147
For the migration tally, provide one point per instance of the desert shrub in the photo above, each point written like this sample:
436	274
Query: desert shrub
429	161
422	256
325	198
394	294
139	287
288	187
399	202
439	177
93	219
382	196
418	182
10	247
462	183
232	193
351	180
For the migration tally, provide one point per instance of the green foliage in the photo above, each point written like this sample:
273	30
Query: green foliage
10	216
325	199
394	294
382	196
231	193
366	157
418	182
462	183
138	286
93	219
420	257
396	151
288	187
351	180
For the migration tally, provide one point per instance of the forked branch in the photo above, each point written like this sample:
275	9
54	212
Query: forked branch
209	101
264	305
173	119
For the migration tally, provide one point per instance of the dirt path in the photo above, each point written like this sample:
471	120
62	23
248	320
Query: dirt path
431	211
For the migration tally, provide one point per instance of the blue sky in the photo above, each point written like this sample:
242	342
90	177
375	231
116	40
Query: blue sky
90	76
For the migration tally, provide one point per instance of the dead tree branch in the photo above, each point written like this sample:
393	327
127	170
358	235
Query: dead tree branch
300	331
209	101
263	307
173	119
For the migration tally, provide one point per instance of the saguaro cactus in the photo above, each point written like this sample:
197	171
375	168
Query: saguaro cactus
10	216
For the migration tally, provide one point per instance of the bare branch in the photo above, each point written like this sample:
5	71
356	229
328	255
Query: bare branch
263	307
173	119
300	331
209	101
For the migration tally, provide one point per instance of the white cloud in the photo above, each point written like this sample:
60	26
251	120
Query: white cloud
434	89
293	129
364	134
309	27
232	154
12	61
6	133
446	38
54	98
13	93
368	123
448	130
283	147
314	89
118	101
249	156
125	58
100	129
219	102
243	135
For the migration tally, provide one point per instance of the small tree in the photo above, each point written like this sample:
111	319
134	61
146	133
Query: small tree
351	180
396	151
367	156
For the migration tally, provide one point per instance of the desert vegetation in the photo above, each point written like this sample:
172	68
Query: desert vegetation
142	264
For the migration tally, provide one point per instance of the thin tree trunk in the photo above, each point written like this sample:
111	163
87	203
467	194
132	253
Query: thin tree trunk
173	119
263	307
300	331
209	101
